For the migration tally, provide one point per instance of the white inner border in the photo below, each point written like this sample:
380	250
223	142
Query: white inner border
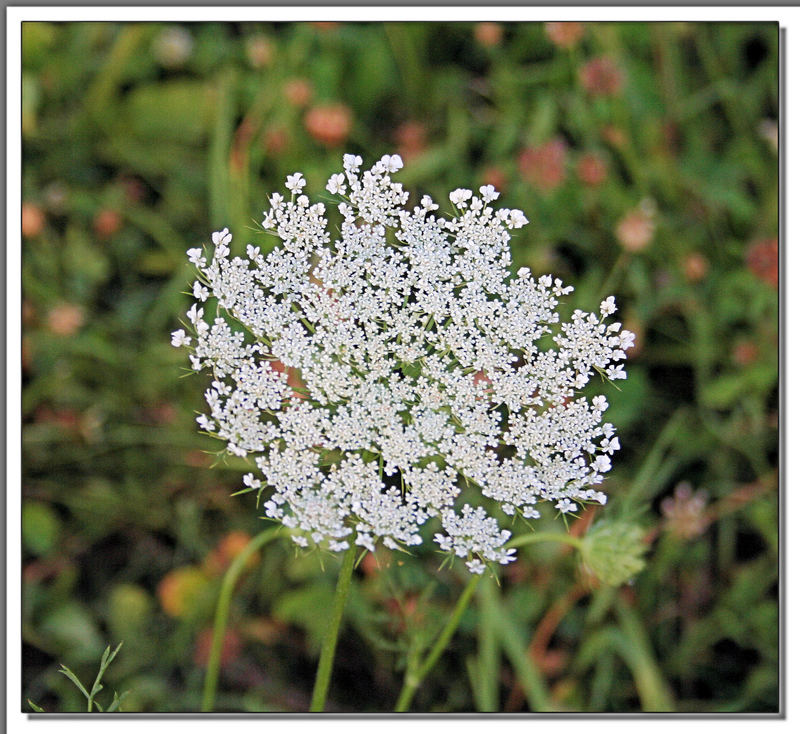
788	17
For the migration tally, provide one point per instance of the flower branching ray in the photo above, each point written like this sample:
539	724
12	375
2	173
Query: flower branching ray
381	373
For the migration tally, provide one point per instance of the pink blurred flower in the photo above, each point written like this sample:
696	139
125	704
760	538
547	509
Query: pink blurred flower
635	230
592	169
298	91
685	512
543	166
762	260
411	138
601	76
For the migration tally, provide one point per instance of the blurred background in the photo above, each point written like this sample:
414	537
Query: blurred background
644	156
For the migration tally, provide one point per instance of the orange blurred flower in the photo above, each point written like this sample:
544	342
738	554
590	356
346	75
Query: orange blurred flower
329	124
488	34
564	34
179	590
543	165
695	267
65	319
218	560
33	220
107	222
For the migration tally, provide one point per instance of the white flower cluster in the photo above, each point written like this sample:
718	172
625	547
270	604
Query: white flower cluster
382	374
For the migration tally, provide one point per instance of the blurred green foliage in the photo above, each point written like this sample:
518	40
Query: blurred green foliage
645	157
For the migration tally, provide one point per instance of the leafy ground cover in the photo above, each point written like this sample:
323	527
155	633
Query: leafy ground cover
645	158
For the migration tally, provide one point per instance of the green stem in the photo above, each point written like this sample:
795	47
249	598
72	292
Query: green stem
619	265
332	635
545	538
223	607
413	677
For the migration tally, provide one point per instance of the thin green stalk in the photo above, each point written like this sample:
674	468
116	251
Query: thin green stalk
487	687
611	279
325	665
223	607
529	538
414	677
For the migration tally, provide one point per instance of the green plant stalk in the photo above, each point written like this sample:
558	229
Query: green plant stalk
414	678
223	607
325	665
529	538
488	662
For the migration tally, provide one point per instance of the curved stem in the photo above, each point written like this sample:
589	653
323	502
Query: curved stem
521	540
223	607
325	665
413	677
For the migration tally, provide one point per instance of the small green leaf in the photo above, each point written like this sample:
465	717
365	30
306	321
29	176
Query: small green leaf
66	671
412	370
37	709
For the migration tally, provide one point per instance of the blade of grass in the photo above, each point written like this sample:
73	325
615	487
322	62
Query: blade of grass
221	136
642	485
635	649
514	644
98	96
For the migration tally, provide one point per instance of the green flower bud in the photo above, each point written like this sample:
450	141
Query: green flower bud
612	551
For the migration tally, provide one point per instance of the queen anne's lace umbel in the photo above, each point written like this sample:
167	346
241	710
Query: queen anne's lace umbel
418	369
